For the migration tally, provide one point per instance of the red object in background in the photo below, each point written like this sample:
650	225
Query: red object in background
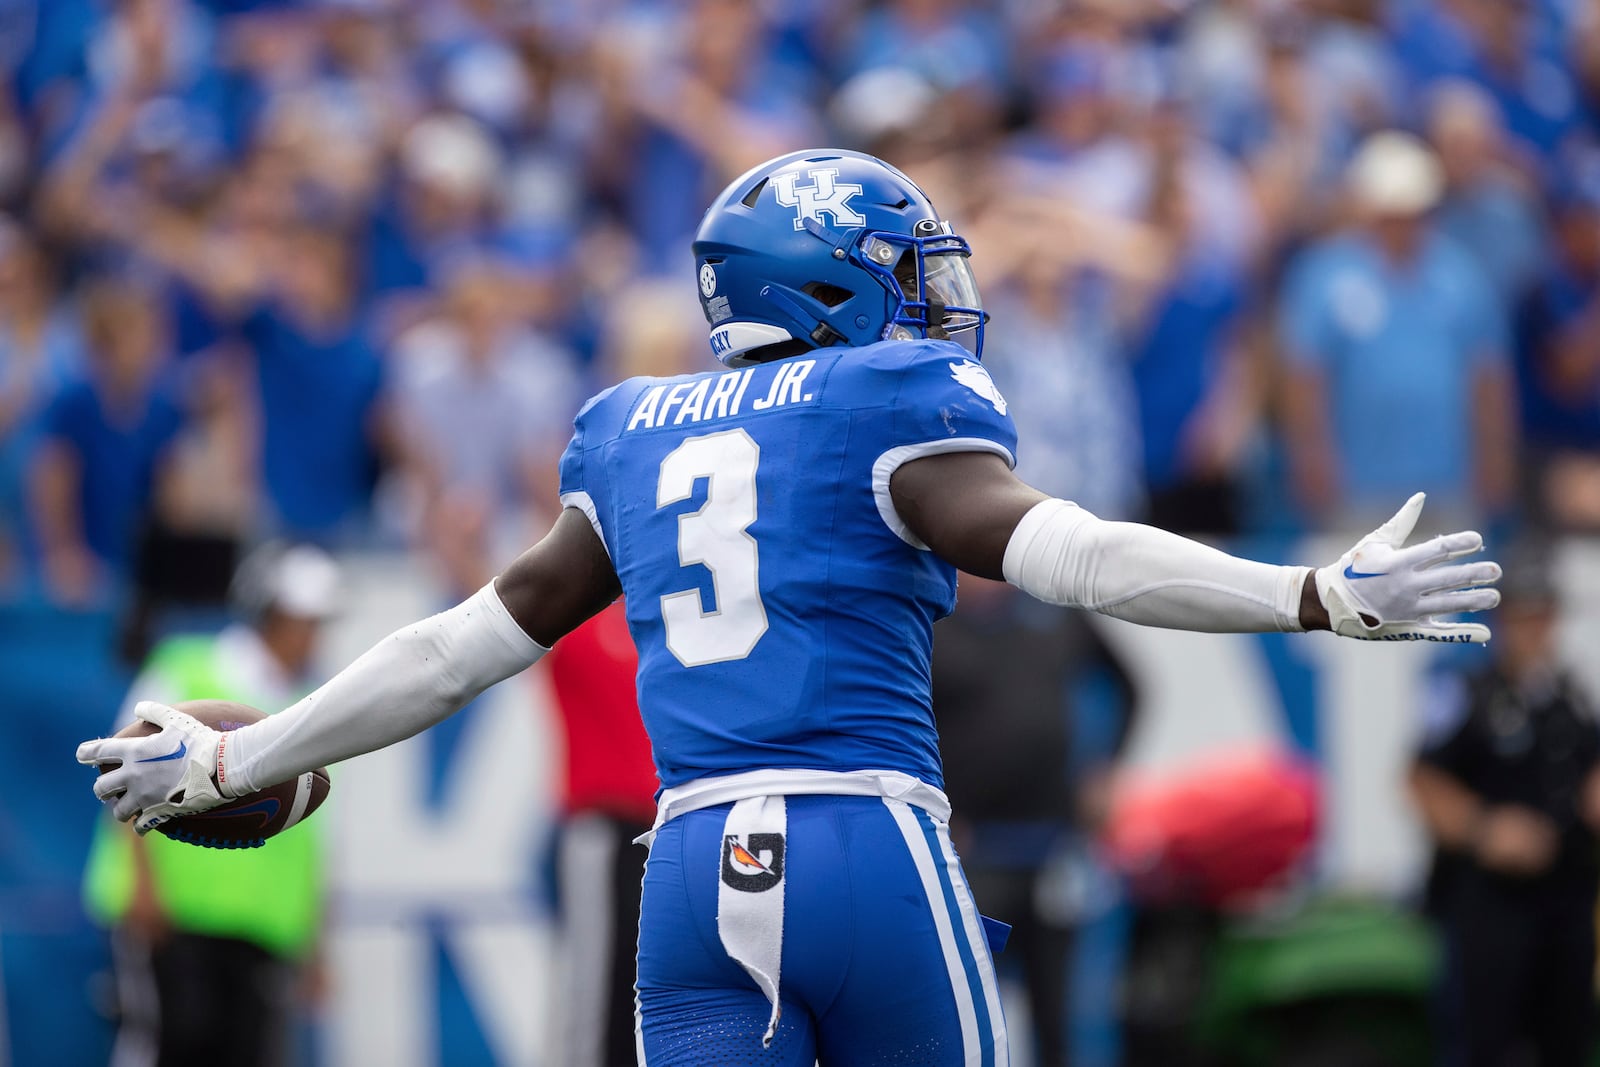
1216	832
607	763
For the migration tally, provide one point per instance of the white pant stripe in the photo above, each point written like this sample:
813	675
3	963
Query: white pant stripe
922	856
978	943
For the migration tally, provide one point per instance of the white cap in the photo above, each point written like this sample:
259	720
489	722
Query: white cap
306	583
451	152
488	82
301	581
881	102
1395	173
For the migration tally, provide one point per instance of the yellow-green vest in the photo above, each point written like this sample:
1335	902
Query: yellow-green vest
271	896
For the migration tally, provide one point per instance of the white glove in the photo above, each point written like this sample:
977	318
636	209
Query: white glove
1380	591
162	775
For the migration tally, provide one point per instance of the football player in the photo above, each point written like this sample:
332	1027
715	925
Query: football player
787	530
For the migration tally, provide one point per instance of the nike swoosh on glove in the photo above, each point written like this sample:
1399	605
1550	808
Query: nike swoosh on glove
161	775
1381	590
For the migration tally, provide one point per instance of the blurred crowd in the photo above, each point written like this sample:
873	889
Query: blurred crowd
342	270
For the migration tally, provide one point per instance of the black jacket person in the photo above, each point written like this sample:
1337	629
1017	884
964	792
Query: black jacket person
1507	783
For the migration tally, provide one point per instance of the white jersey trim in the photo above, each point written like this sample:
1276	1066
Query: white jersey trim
729	789
585	503
891	461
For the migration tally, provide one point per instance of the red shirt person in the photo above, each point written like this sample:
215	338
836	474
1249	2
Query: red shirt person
607	798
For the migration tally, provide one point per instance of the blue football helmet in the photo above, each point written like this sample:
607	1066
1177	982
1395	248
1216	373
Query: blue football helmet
829	247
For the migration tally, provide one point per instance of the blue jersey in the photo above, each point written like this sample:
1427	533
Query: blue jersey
782	611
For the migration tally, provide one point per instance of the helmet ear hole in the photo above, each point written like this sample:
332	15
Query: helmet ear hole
826	294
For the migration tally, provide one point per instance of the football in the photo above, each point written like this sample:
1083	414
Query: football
247	821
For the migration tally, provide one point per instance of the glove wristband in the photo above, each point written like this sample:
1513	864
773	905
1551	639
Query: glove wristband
220	776
1344	618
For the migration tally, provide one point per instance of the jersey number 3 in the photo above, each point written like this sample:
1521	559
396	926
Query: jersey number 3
717	536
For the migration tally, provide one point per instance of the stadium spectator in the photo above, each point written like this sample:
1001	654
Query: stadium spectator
1112	132
547	139
606	793
692	118
1396	353
213	948
1356	78
105	436
151	44
1297	145
1076	145
1507	780
485	403
952	46
203	511
15	151
1489	208
1582	34
445	202
1316	74
318	380
1558	365
1199	393
1197	194
40	349
74	204
1505	47
1221	55
894	113
361	90
326	152
1058	351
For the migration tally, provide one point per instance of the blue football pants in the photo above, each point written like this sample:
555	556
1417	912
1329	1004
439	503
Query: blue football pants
884	958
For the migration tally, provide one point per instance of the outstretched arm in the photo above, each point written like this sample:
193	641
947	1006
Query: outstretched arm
971	510
410	680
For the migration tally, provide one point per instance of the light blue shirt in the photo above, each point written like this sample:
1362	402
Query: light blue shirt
1399	347
1070	386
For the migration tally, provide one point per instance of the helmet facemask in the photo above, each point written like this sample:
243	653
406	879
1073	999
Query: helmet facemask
930	277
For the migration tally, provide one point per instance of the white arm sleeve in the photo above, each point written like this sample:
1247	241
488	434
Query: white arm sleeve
415	677
1062	554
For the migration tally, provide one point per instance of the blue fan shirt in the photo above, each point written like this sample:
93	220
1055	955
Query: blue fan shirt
782	611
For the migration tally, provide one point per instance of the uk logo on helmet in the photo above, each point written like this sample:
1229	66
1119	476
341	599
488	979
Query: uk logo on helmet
824	196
